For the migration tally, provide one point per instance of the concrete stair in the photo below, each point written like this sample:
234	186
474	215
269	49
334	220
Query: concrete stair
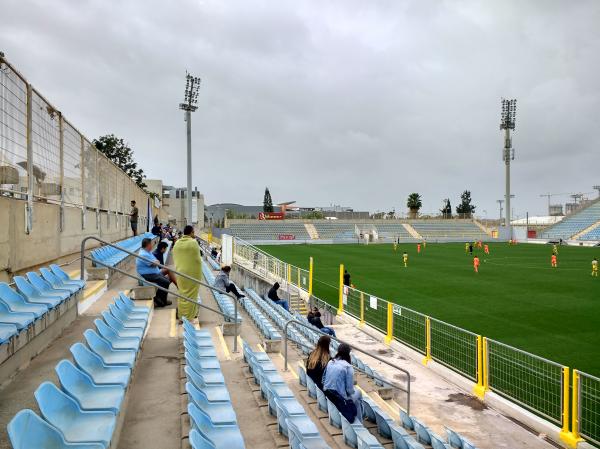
585	231
482	227
412	231
312	231
297	304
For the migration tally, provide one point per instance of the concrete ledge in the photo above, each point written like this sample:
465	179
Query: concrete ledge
272	346
228	329
19	350
97	273
143	293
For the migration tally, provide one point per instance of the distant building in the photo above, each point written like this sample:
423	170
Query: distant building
174	202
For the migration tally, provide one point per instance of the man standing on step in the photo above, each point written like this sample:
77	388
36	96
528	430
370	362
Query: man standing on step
186	254
133	217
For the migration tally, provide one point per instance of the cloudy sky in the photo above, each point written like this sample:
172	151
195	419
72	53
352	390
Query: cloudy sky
348	102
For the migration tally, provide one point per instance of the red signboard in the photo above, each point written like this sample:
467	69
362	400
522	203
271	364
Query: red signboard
286	237
271	215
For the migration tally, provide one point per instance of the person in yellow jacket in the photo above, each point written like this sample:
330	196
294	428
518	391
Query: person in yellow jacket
186	254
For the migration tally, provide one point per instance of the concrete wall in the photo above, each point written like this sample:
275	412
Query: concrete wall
46	243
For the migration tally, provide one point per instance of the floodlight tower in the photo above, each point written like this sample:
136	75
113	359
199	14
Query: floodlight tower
189	105
507	123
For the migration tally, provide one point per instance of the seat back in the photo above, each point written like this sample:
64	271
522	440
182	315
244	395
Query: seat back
199	419
38	282
321	399
335	417
58	271
383	423
312	387
50	277
197	441
422	432
112	321
195	378
349	432
72	379
406	420
437	442
86	359
198	397
57	408
454	438
25	287
105	330
302	375
27	430
96	343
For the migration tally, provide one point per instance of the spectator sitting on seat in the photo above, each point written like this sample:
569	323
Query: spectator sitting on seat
272	295
157	228
159	253
317	361
338	385
149	270
222	282
214	253
314	318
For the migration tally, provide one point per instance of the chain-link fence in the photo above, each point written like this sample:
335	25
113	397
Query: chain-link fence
410	328
45	158
454	347
532	381
589	407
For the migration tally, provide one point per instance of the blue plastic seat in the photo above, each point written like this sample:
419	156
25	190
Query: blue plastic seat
17	303
100	346
220	436
57	282
312	387
437	442
302	375
219	412
44	287
213	393
7	331
335	418
33	295
88	395
28	431
119	328
76	425
19	319
132	314
58	271
384	423
101	374
129	323
352	432
406	421
131	304
209	377
202	352
116	342
289	409
197	441
422	432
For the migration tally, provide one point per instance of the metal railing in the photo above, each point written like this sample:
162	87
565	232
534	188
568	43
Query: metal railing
355	348
235	316
588	406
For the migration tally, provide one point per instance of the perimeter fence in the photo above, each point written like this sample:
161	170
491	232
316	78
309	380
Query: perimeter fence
44	158
537	384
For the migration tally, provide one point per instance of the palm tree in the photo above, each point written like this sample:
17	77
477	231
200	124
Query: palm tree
414	204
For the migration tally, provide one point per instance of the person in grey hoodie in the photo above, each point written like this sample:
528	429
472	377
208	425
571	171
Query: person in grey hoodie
222	282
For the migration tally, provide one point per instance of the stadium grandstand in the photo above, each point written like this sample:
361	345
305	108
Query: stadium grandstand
581	225
344	231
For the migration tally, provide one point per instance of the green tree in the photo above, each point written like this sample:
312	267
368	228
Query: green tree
414	203
314	215
465	209
267	201
118	151
447	209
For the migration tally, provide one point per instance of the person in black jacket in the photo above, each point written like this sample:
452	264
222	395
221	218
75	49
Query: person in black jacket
272	295
314	318
347	278
317	361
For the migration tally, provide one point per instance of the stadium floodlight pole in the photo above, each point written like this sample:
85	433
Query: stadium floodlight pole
500	203
507	123
189	105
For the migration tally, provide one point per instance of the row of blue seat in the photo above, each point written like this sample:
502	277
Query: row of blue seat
212	417
306	337
263	324
83	412
224	302
35	296
292	420
111	256
213	263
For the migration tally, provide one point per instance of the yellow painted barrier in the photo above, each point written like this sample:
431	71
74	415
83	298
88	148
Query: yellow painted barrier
390	323
341	302
479	389
427	341
289	273
572	438
310	276
298	269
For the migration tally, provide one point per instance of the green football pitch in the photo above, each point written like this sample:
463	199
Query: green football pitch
516	298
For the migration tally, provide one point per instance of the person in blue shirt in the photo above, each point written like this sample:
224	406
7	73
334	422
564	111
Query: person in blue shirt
150	271
338	385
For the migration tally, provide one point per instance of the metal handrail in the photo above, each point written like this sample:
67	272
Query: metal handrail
379	359
144	281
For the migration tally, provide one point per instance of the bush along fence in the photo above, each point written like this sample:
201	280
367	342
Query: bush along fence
567	398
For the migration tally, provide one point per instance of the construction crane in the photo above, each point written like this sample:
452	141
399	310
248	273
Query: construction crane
575	196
